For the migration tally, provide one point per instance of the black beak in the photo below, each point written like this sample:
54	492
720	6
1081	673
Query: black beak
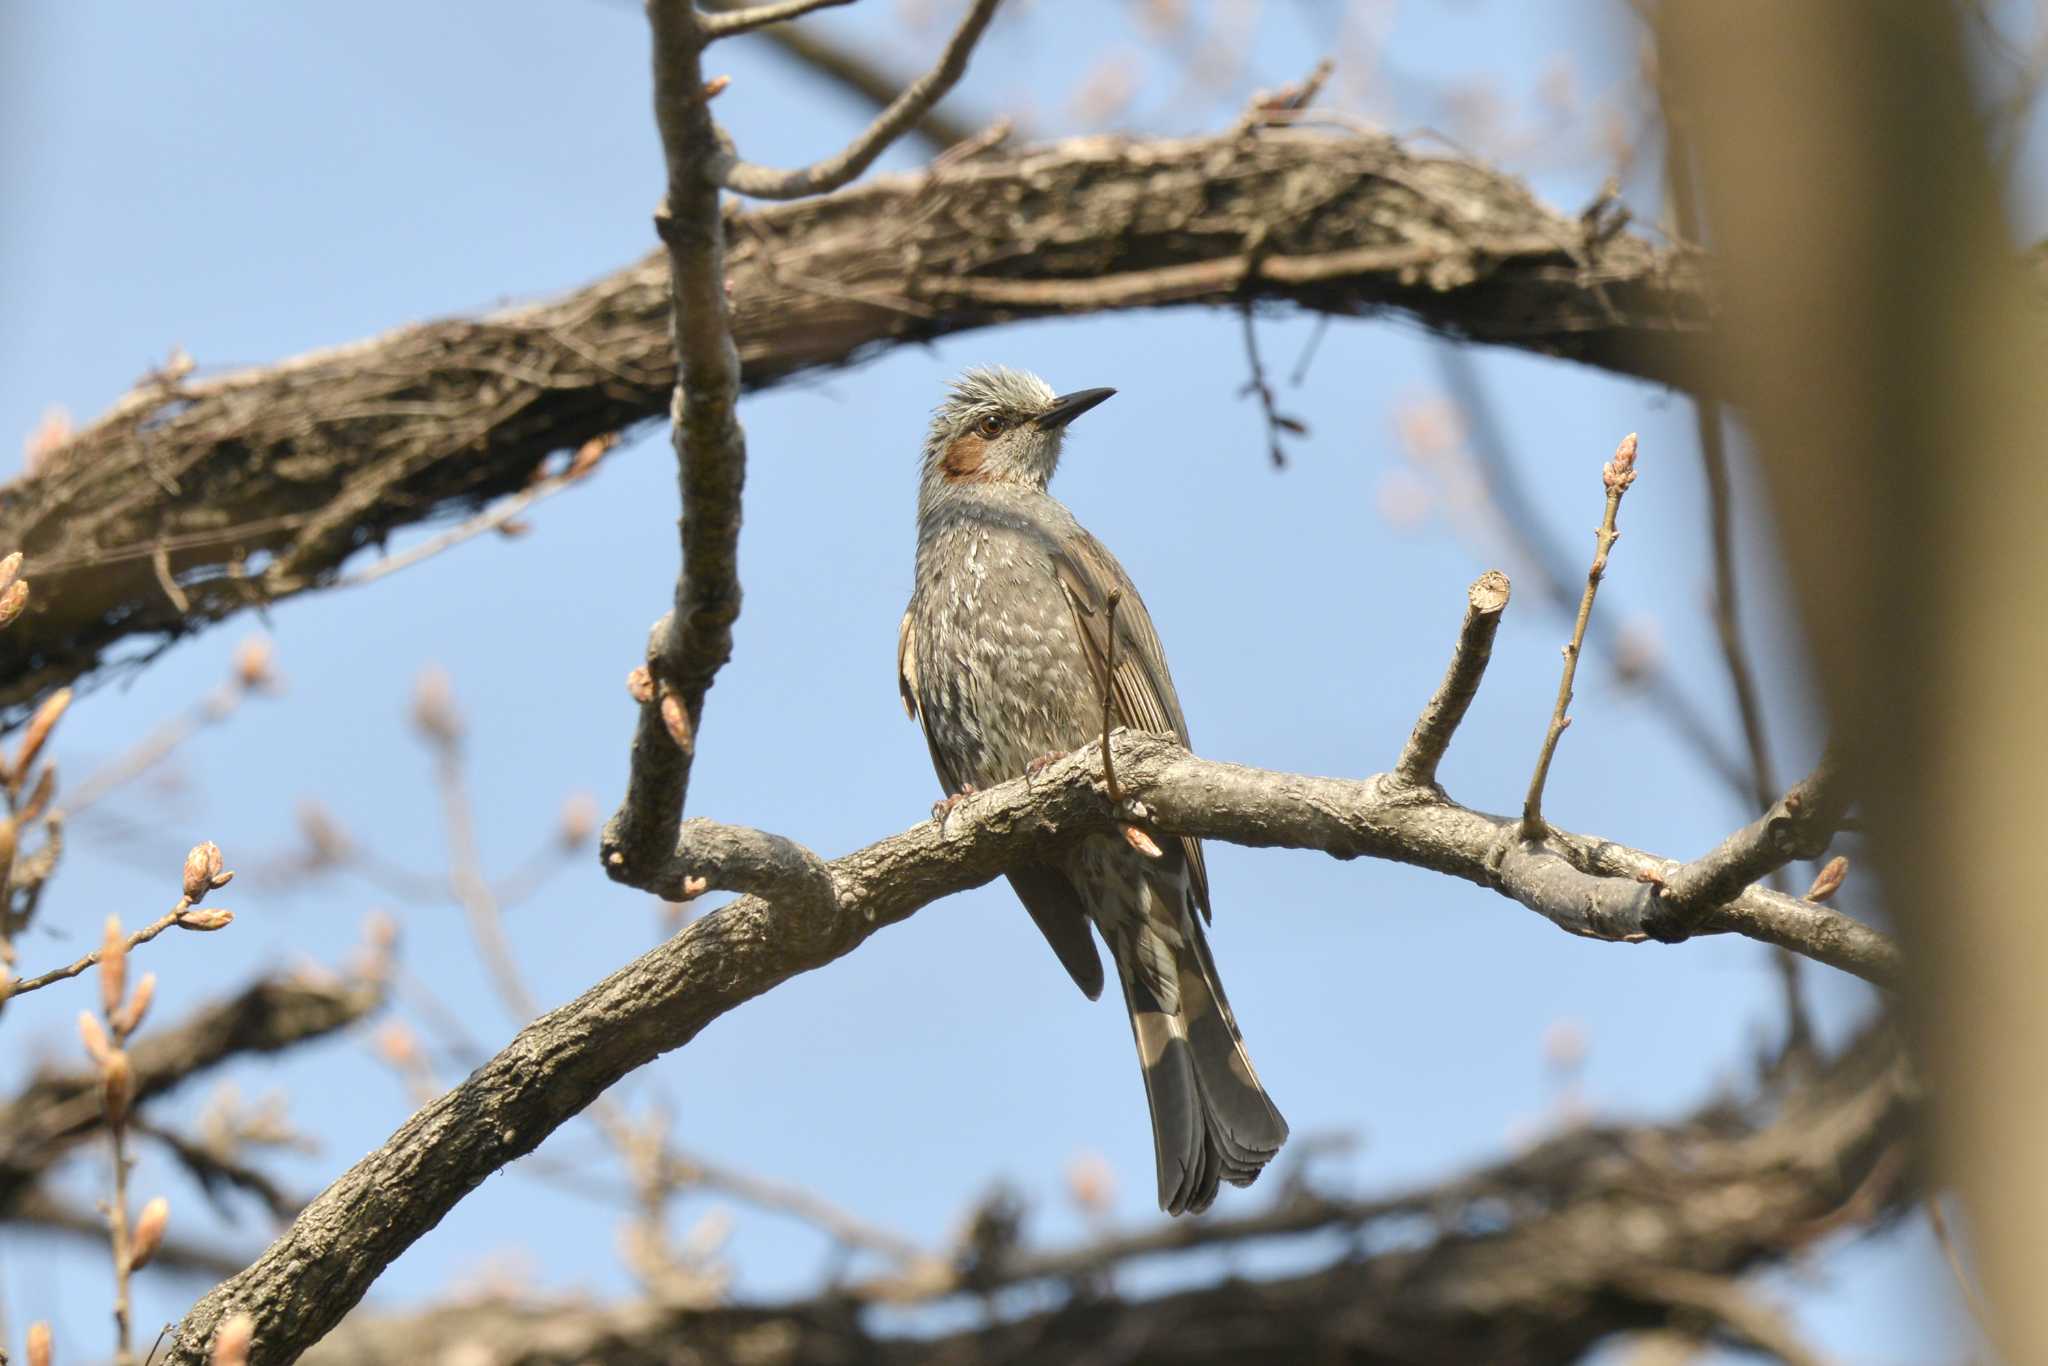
1067	407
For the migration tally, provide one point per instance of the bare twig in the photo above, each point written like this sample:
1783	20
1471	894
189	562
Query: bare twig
1109	782
497	517
728	22
1485	601
1617	475
762	182
1276	421
1547	559
852	71
142	936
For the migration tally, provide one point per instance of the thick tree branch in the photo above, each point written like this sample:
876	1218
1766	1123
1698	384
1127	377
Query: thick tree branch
57	1110
253	486
1518	1263
559	1064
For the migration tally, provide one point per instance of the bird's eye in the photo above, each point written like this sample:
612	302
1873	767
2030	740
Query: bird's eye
990	427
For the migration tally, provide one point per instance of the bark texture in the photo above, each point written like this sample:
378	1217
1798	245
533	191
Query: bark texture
301	1286
194	498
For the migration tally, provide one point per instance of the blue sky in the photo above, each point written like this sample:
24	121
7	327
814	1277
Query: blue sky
248	182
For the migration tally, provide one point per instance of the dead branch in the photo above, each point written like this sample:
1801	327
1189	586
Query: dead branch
1485	601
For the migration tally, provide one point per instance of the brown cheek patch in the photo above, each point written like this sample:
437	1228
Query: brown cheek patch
961	464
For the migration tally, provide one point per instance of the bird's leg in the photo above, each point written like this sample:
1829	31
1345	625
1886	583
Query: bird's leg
944	806
1044	761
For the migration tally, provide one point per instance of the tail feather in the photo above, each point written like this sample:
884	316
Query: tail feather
1211	1119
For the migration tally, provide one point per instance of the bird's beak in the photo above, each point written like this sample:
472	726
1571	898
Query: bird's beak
1067	407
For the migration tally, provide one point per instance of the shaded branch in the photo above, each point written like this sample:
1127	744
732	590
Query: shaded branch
261	484
563	1061
1514	1264
56	1110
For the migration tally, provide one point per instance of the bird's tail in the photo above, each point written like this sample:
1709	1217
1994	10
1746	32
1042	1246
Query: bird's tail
1211	1120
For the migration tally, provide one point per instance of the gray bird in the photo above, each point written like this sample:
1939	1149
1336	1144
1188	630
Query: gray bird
1001	658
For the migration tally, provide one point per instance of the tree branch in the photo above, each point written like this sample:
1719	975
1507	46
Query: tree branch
727	23
692	642
1513	1264
560	1063
761	182
1486	600
262	483
1799	825
854	73
57	1110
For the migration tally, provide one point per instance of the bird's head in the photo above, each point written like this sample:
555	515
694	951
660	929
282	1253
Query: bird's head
1000	426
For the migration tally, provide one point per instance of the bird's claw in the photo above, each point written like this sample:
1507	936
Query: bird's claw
944	806
1043	762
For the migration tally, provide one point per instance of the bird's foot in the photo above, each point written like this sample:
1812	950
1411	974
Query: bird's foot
944	806
1129	811
1142	842
1043	762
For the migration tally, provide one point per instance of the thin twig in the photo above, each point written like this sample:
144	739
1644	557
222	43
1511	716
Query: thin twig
854	72
117	1235
493	518
762	182
1617	475
1276	421
1116	792
1485	601
1548	559
735	21
141	936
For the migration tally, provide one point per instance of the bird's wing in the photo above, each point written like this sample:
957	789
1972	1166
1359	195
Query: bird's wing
1140	687
1044	890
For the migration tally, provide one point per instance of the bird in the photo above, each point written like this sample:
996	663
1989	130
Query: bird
1004	656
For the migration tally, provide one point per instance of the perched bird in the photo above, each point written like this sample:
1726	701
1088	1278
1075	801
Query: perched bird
1004	657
